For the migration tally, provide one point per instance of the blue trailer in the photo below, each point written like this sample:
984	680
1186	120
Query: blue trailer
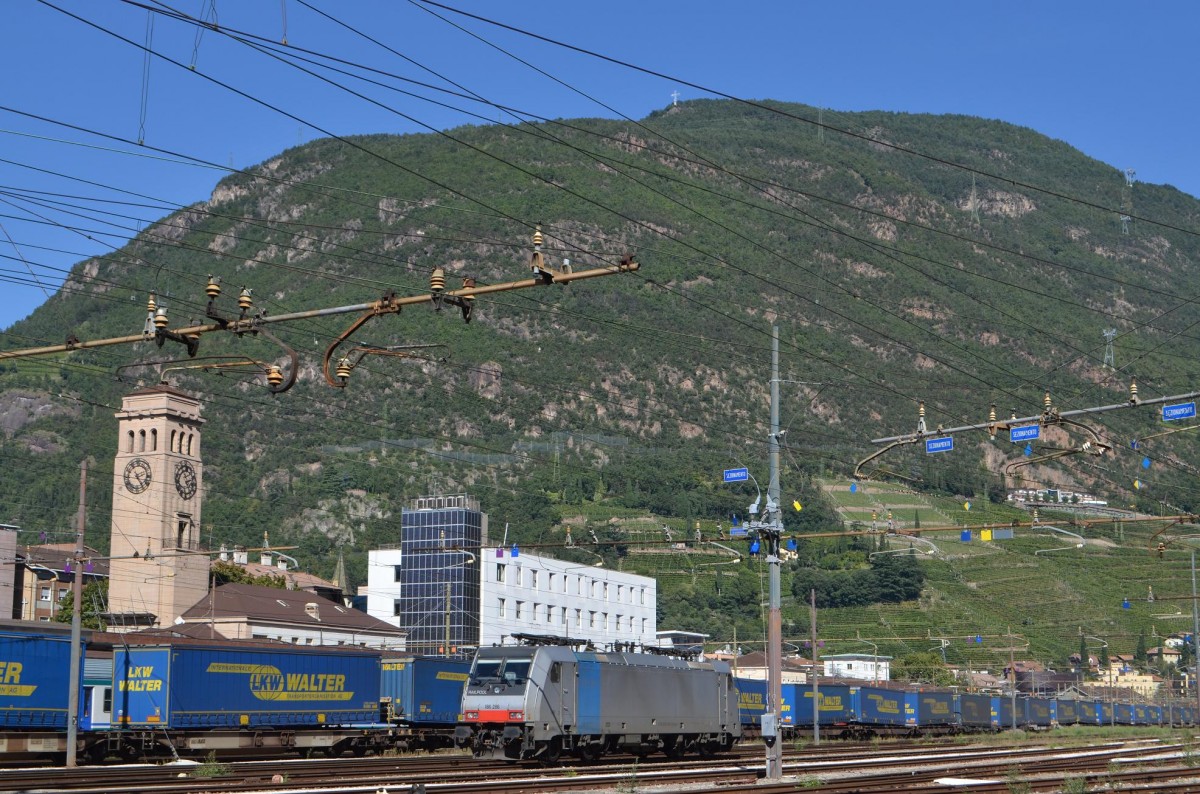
1144	714
1002	713
974	712
934	709
422	695
834	707
1039	712
35	676
752	704
884	708
234	687
1123	713
1088	712
1067	712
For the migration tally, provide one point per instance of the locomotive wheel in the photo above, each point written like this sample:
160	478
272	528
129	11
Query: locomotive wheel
590	752
552	753
673	747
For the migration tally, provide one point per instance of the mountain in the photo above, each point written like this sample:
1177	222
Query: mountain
908	260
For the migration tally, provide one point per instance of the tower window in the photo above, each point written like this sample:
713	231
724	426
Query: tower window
130	442
183	531
141	441
153	440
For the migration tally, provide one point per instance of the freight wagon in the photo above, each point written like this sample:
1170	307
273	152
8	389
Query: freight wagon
35	680
1038	713
836	705
204	698
422	695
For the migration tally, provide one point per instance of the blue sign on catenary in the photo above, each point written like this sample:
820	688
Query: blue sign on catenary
1179	411
939	444
1024	433
736	475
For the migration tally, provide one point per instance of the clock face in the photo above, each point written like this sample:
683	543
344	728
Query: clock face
185	480
137	475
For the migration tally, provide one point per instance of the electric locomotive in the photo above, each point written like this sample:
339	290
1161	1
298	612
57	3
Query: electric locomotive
540	701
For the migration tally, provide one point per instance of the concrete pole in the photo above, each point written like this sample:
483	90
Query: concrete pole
816	692
1195	637
76	621
1012	671
774	759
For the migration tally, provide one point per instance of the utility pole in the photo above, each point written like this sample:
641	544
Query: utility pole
771	532
1195	634
1012	672
76	621
812	622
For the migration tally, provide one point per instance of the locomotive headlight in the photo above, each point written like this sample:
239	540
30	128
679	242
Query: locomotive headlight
472	715
516	715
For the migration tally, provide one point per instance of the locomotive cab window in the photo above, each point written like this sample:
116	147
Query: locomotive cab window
513	672
555	672
486	670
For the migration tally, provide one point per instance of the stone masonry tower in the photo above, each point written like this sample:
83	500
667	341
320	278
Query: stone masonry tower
155	574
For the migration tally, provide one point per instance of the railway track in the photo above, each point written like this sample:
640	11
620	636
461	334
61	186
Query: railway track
864	768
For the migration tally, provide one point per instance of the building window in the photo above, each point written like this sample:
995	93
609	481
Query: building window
396	608
533	579
563	616
44	618
154	441
579	618
593	588
642	596
44	593
617	623
62	593
550	582
604	621
549	614
500	571
533	612
606	591
591	619
519	605
620	592
503	607
397	572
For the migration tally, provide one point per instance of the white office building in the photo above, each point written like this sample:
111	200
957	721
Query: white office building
450	591
864	666
534	594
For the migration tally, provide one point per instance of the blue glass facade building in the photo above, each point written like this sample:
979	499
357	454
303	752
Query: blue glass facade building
438	578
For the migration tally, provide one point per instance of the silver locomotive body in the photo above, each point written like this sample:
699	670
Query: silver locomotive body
539	702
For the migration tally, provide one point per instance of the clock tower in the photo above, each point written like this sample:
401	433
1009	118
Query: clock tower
156	572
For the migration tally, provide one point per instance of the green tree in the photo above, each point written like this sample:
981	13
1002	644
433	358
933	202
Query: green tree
924	666
94	602
228	572
1139	653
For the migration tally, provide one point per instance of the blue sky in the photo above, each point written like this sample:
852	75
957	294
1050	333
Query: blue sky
1115	80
